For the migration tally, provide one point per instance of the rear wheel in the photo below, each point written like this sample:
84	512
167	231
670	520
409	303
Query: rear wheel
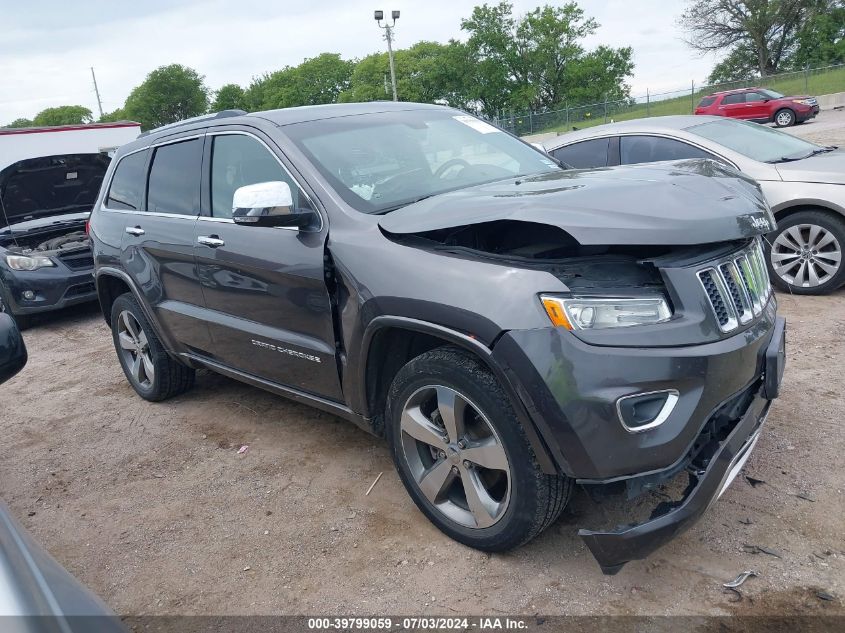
784	118
805	253
463	456
153	374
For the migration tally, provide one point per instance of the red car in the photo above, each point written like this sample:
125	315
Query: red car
759	105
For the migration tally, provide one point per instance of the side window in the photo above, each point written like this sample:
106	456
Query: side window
752	97
706	101
127	184
174	182
238	160
733	99
584	155
649	149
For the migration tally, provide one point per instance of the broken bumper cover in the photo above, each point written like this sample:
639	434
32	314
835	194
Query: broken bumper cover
613	549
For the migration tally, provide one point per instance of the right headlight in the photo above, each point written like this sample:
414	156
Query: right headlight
595	313
25	262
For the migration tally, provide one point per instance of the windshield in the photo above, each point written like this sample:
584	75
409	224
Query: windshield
382	161
771	94
755	141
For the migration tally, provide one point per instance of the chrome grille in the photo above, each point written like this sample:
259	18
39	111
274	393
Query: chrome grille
737	287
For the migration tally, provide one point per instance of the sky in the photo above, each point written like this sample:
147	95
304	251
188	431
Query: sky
47	47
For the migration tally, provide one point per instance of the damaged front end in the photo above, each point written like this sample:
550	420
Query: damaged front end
657	372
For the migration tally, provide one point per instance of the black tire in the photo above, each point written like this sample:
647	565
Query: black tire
535	499
777	243
784	118
170	378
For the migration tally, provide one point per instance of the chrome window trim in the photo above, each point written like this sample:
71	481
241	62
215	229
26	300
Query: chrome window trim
672	397
281	164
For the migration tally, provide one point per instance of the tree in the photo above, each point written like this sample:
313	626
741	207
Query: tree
315	81
115	115
20	123
229	97
767	28
537	61
821	41
428	72
168	94
740	64
63	115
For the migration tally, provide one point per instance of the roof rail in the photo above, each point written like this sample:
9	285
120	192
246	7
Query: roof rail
203	117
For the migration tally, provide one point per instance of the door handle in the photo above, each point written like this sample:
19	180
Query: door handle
134	230
210	240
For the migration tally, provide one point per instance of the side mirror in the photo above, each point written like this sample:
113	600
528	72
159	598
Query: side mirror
12	348
269	204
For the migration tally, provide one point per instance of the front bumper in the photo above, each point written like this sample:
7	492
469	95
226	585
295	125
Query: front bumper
570	390
810	113
612	549
54	288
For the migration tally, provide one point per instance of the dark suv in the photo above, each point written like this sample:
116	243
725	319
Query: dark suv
511	327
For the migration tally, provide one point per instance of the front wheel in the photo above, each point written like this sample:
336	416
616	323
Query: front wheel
804	254
153	374
463	455
784	118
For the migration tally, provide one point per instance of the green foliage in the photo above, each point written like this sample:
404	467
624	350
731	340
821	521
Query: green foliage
315	81
428	72
536	62
168	94
63	115
822	40
21	123
114	116
229	97
740	64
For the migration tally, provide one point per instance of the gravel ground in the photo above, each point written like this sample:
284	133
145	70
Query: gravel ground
152	506
828	128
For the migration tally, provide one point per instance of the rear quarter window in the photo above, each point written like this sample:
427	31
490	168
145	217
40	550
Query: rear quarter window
706	102
127	185
584	155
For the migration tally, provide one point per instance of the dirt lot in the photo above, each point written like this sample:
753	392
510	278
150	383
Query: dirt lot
152	506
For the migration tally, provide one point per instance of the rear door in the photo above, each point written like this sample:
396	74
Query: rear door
158	238
584	154
756	106
733	106
268	306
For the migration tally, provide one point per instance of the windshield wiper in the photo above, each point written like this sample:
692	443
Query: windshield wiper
403	204
789	159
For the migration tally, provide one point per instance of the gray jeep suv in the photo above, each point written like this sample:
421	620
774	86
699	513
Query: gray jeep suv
511	327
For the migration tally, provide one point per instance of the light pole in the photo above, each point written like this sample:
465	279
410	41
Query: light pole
388	28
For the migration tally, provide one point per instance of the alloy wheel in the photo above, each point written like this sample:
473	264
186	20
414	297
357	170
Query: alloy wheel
784	119
806	255
455	456
135	349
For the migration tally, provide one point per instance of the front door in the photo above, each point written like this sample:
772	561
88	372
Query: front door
756	106
265	292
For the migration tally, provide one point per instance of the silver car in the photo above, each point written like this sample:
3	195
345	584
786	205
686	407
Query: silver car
804	183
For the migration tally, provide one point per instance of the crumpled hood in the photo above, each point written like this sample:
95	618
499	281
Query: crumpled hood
826	168
679	203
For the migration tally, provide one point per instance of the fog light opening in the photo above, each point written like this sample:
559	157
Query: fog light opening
643	411
29	295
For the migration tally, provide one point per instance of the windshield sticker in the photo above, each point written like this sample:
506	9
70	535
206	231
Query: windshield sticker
476	124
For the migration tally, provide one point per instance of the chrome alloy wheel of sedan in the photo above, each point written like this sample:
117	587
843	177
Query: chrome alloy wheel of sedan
806	255
135	349
455	456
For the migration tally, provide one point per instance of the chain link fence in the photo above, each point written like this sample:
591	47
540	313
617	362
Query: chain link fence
810	81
